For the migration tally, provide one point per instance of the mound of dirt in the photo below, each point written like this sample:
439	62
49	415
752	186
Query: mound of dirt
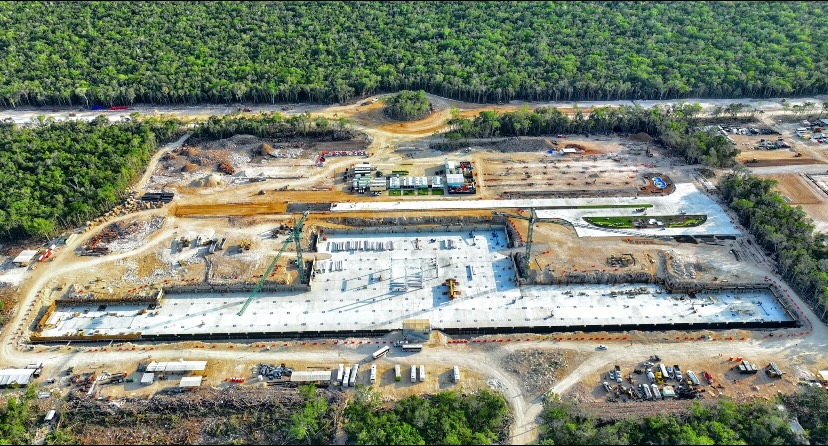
189	167
641	137
209	181
265	149
190	151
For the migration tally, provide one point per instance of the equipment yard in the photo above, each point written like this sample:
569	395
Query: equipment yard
511	259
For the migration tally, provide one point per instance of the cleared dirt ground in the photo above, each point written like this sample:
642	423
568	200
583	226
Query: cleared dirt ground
796	189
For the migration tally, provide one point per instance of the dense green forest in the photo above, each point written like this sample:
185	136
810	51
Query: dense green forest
59	174
408	106
444	418
677	127
17	419
273	125
725	422
785	232
83	53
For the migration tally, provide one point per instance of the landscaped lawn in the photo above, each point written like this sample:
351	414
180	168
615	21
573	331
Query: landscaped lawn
395	192
439	191
626	222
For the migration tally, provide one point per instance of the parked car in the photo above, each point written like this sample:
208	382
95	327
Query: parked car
601	347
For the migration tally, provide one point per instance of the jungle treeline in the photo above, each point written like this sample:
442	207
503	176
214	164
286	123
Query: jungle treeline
119	53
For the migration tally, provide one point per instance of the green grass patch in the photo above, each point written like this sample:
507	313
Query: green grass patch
395	192
409	192
439	191
422	191
642	222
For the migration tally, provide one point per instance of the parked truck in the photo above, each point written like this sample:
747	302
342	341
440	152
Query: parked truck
708	377
692	377
677	372
663	370
413	373
422	373
456	374
352	379
656	393
617	374
373	378
397	373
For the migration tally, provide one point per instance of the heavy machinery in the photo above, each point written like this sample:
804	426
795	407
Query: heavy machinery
296	239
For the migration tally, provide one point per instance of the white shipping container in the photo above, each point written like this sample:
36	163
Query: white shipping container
354	370
346	376
422	373
340	373
413	373
456	374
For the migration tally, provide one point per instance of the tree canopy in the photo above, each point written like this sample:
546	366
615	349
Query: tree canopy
785	232
675	126
57	174
408	106
444	418
83	53
725	422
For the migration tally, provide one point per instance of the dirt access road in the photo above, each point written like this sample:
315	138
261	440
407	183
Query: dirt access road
809	350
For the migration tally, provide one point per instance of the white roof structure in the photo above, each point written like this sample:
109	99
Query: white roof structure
15	376
569	150
50	415
147	378
824	375
436	182
394	183
407	181
324	375
177	367
190	381
26	256
421	182
454	179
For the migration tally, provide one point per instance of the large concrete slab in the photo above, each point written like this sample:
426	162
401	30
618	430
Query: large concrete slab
364	288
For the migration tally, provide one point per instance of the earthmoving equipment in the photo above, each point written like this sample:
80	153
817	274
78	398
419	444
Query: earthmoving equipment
452	286
300	266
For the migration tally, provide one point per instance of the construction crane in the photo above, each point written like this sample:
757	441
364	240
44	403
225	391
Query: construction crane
296	239
532	218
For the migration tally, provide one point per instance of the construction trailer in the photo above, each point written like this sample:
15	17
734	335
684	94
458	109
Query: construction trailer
340	373
190	382
422	373
317	377
413	373
456	374
25	258
147	378
346	377
352	379
178	367
397	373
373	378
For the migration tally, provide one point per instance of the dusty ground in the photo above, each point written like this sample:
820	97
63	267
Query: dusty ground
796	189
